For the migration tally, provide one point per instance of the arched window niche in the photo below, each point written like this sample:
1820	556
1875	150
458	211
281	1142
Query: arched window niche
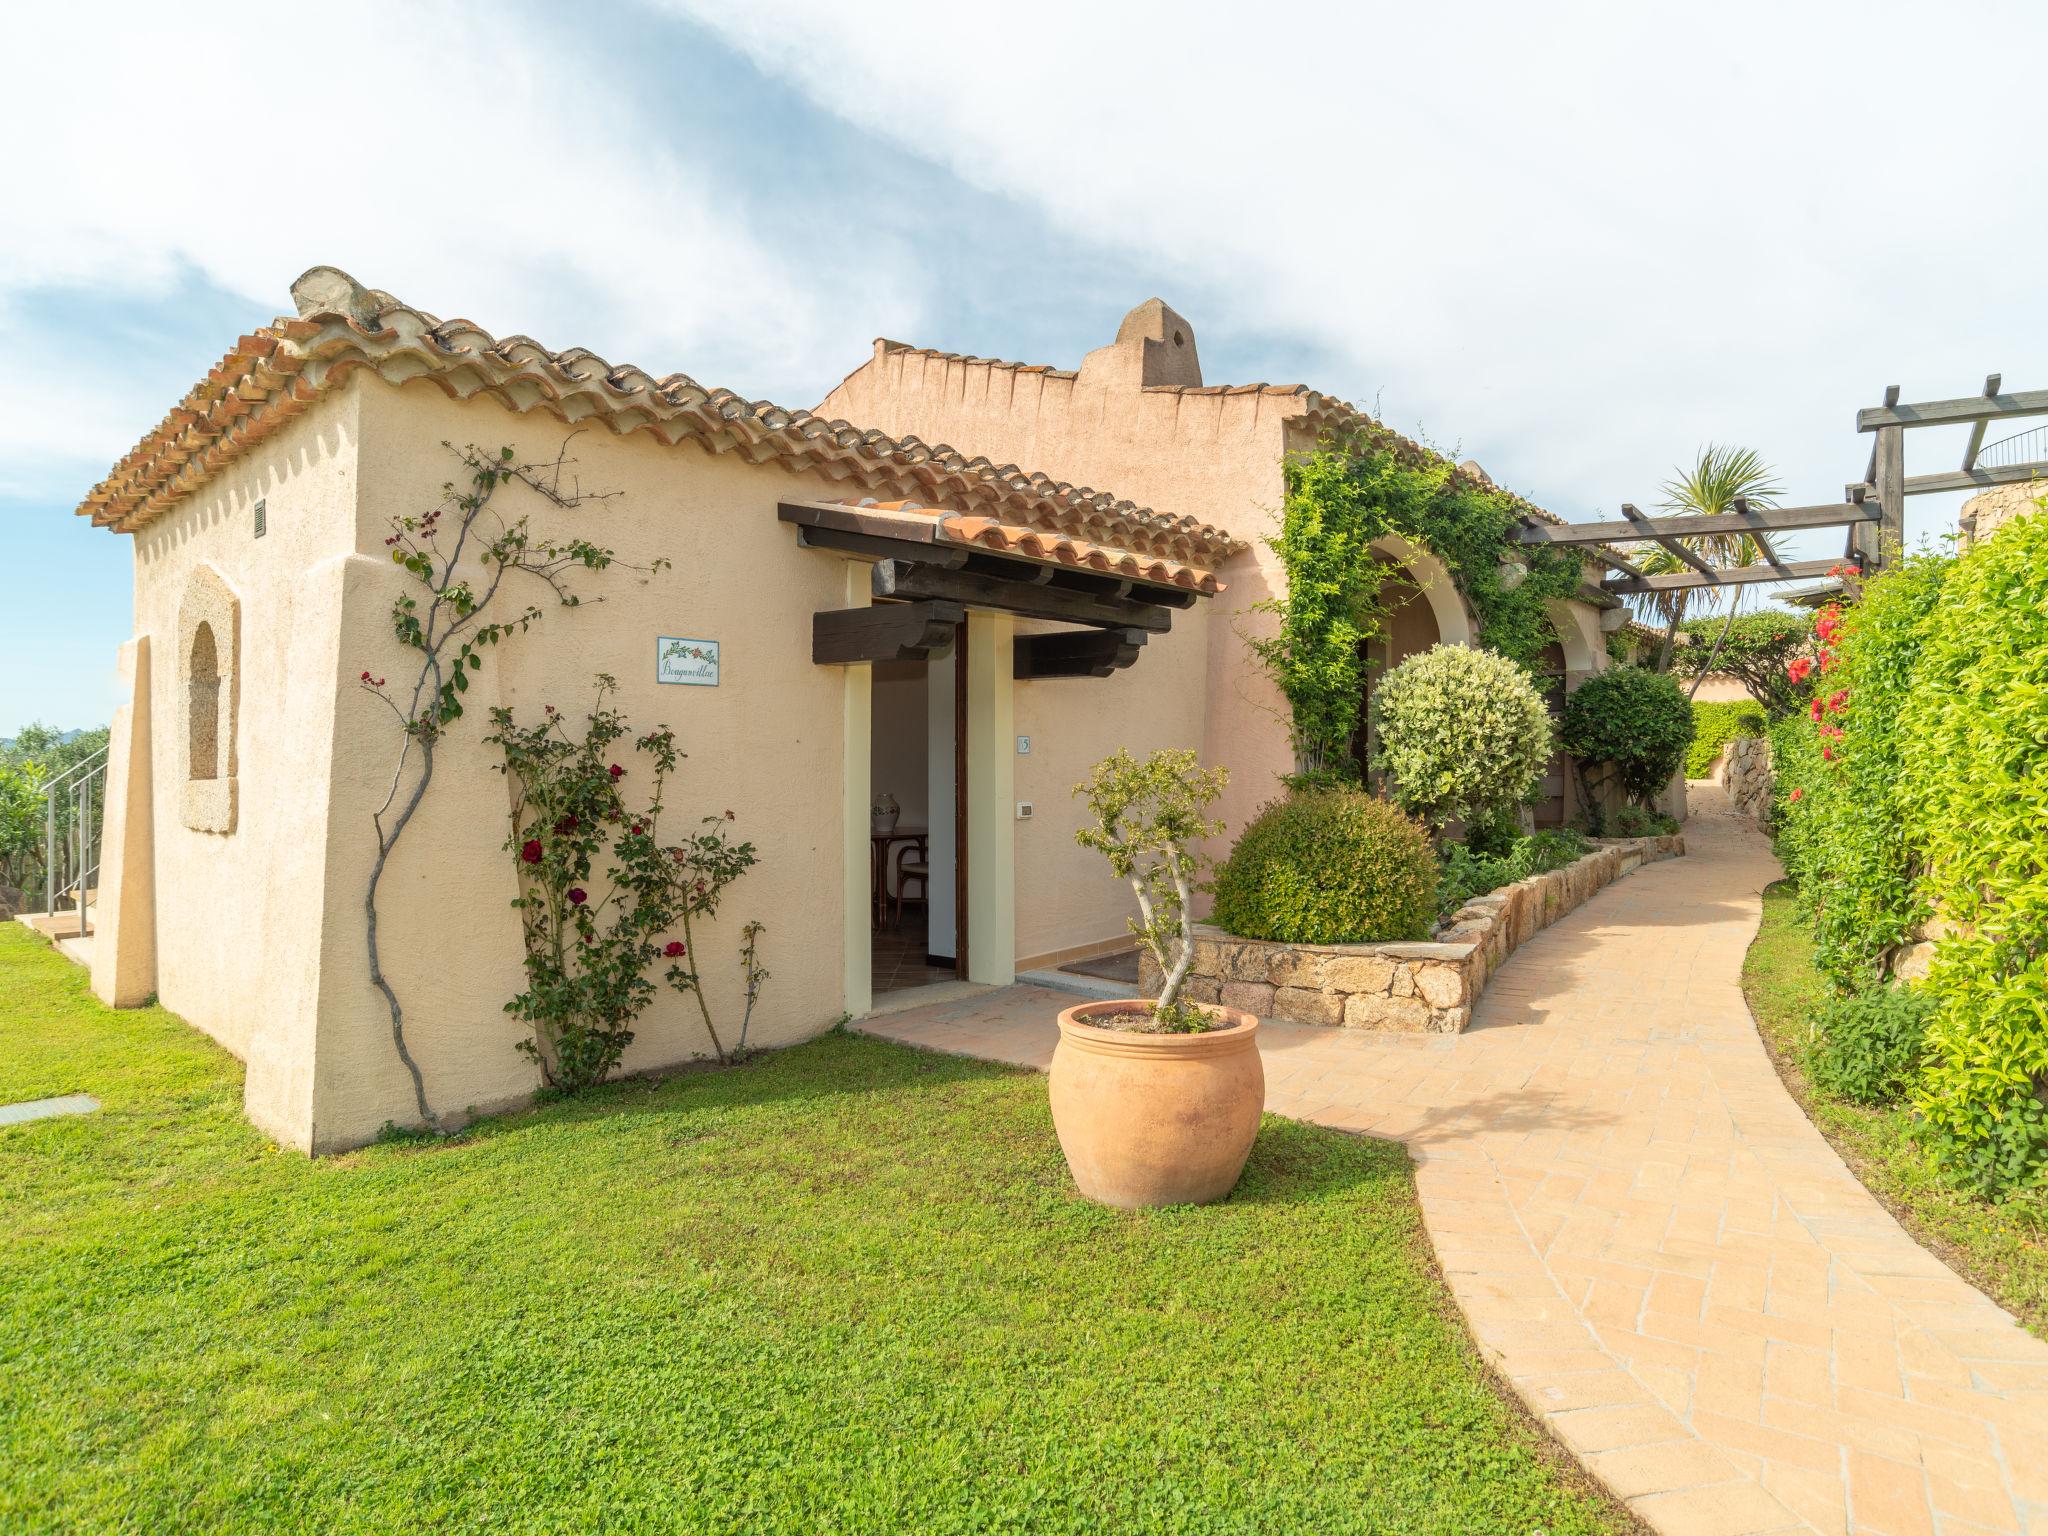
209	653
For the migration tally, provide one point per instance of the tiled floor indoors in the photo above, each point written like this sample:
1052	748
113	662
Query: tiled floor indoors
1649	1239
899	955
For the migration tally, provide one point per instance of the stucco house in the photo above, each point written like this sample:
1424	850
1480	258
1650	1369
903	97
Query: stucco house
1137	415
885	618
1030	628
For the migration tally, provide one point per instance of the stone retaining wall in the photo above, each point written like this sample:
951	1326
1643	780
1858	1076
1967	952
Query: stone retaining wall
1745	772
1407	987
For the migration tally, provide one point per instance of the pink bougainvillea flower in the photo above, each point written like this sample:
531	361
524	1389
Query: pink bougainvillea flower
530	850
616	771
1799	668
1827	753
577	896
1797	795
1814	708
674	948
1838	701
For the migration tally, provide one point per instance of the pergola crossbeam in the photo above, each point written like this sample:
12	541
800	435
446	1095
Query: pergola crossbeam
1745	520
1733	576
1991	406
1977	477
1670	545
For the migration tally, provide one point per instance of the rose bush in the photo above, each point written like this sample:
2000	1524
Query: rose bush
588	959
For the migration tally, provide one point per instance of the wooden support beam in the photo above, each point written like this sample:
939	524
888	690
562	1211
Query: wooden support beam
1979	478
1750	520
904	579
1733	576
1970	450
900	530
1669	544
1610	559
1075	653
884	632
1887	539
1948	413
951	556
1763	539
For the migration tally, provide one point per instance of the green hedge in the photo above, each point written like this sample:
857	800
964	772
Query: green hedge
1717	724
1974	740
1329	866
1916	784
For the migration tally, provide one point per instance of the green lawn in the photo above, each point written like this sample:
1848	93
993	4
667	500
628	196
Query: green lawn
843	1288
2002	1249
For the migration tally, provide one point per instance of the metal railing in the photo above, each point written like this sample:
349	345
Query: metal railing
71	845
2021	448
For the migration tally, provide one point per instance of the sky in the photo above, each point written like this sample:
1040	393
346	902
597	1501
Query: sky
1574	242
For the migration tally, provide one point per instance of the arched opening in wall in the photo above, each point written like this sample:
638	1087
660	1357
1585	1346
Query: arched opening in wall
203	706
1553	803
1408	626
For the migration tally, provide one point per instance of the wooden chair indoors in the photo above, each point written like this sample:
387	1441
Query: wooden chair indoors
912	864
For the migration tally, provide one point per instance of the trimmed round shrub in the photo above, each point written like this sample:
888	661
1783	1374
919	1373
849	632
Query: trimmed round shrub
1463	734
1634	720
1329	866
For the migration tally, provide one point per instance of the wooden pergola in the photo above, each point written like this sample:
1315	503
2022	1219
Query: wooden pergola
1873	509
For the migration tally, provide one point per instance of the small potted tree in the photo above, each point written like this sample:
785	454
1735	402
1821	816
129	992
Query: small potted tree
1156	1100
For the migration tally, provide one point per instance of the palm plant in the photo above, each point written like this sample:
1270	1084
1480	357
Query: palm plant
1717	478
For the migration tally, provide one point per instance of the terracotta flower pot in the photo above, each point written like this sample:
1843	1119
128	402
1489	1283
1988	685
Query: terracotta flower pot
1156	1119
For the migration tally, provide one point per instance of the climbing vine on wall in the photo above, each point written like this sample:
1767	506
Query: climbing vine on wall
1351	491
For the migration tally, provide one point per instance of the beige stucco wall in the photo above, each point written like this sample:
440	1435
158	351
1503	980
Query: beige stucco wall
1719	688
1215	457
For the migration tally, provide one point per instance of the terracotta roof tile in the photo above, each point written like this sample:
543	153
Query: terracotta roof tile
268	378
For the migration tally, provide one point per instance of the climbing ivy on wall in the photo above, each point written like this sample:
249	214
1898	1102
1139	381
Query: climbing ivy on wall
1353	490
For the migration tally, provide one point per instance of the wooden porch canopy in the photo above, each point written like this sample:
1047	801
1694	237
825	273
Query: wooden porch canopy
1885	481
924	582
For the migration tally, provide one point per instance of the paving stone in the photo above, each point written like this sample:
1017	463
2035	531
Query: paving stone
44	1109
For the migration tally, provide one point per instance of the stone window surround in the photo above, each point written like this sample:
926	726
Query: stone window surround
208	805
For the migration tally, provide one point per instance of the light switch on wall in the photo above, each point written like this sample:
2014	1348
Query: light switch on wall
1023	810
1023	746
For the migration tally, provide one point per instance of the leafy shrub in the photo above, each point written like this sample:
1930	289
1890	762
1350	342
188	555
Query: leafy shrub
1973	793
1841	811
1714	726
1867	1047
1470	870
1634	821
1330	866
1755	652
1149	820
1635	722
600	893
1463	733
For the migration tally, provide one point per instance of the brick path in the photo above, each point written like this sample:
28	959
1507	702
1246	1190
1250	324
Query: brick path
1648	1238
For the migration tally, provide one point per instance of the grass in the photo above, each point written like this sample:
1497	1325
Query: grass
2001	1249
845	1287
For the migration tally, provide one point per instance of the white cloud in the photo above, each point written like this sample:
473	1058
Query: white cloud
1579	238
470	160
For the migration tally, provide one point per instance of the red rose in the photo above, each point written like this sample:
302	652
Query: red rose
577	896
616	771
674	948
565	826
638	829
530	851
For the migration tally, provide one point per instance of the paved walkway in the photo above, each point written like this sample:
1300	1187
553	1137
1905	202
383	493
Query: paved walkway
1649	1239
